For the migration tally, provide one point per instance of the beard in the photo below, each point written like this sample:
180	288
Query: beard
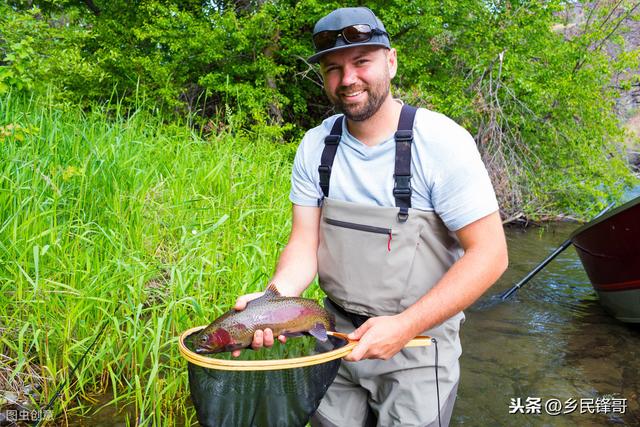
376	95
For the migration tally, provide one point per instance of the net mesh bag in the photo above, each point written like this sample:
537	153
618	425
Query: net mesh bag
275	387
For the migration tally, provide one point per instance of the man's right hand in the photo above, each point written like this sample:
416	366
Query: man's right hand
260	338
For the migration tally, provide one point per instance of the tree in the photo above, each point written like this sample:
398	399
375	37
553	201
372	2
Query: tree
502	69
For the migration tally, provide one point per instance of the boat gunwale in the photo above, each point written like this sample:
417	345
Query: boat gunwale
630	204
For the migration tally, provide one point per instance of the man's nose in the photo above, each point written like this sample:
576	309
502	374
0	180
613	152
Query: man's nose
349	76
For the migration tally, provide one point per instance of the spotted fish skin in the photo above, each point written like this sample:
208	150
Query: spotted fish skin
289	316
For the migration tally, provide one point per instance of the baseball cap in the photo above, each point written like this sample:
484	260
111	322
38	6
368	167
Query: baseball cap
345	17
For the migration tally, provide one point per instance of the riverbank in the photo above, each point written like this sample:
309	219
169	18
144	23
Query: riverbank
131	224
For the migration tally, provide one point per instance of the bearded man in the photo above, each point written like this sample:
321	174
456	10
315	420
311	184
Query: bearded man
394	211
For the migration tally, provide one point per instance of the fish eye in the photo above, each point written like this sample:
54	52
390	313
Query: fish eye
203	338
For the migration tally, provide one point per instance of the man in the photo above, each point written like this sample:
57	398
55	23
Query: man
402	229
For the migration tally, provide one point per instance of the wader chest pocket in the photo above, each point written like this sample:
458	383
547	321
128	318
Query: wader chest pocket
362	227
360	270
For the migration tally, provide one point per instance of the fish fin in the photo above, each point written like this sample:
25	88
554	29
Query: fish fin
319	332
271	291
332	321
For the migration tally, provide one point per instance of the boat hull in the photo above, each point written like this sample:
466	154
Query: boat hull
609	249
623	305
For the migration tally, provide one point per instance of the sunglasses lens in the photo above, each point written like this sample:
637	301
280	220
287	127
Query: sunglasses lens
357	33
325	39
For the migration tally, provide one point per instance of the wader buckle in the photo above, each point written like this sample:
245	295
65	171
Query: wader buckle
322	169
402	185
401	192
331	139
404	135
325	176
325	172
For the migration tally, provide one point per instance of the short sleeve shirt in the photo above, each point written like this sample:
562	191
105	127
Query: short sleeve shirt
448	175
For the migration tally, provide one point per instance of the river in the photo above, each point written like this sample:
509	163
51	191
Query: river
551	346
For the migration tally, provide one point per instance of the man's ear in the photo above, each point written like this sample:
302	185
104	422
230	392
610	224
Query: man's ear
392	62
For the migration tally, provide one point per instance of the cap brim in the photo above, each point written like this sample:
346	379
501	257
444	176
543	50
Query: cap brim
316	58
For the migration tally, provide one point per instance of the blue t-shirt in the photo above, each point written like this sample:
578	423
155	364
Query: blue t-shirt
448	175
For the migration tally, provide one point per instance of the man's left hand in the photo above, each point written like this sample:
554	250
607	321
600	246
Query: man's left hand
380	338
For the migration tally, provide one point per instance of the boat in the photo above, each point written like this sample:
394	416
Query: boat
609	249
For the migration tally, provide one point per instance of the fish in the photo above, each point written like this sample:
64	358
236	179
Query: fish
288	316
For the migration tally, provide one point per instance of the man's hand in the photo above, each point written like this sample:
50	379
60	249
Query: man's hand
260	338
380	338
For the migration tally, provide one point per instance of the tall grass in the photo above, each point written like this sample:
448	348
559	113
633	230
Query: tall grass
131	221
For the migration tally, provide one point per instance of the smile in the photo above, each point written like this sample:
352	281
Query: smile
353	94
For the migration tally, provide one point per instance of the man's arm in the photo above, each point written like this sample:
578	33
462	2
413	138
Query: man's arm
297	266
298	263
483	262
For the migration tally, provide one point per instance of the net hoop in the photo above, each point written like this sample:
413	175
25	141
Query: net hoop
260	365
271	365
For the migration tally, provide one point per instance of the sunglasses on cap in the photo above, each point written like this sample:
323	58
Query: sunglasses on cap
359	33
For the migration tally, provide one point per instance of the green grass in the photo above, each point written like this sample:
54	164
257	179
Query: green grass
131	221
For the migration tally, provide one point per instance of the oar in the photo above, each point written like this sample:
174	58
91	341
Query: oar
547	260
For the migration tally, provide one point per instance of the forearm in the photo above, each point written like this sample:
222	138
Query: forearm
298	263
296	268
462	285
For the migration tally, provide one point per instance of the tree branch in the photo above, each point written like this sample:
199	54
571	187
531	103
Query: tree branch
92	7
404	31
599	45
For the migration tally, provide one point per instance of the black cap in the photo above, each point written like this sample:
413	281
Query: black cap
347	16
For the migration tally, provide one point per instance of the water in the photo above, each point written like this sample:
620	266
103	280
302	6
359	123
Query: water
551	340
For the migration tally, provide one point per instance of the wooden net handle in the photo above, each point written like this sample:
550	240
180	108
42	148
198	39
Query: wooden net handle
418	341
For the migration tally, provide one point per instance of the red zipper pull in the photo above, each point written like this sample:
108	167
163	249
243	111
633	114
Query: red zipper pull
389	242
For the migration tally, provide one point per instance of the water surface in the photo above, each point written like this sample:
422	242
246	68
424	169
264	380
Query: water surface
551	340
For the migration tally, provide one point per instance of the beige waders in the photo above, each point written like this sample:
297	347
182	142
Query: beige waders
376	261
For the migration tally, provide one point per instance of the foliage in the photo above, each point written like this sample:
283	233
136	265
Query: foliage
132	223
539	100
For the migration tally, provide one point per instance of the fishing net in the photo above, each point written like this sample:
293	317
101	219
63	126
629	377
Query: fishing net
275	387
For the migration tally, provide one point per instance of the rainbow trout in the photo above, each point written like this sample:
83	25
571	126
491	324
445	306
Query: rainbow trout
287	316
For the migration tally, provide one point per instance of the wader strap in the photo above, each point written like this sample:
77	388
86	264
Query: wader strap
402	174
331	142
356	319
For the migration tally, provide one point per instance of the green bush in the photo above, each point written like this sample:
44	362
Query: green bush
538	100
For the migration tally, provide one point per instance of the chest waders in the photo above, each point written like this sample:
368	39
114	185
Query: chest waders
375	261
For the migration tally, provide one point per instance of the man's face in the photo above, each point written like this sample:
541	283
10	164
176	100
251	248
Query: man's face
357	79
